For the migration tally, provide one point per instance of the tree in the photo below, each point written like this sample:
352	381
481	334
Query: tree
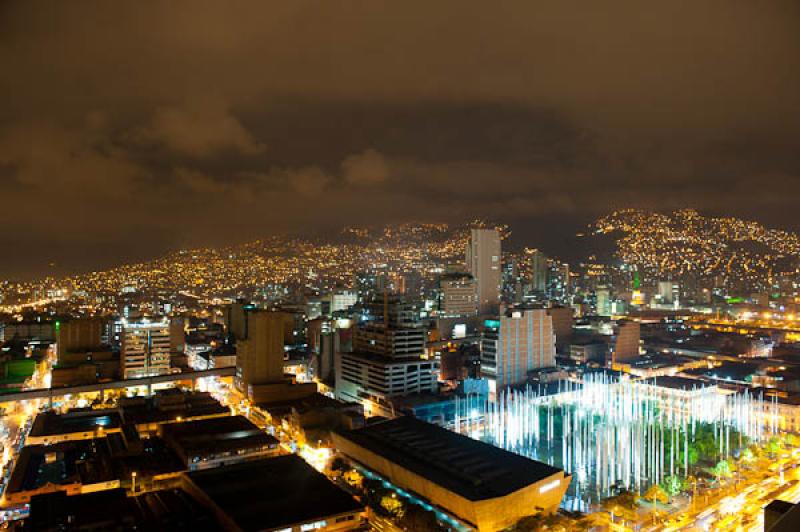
418	519
624	504
721	470
392	504
672	485
656	493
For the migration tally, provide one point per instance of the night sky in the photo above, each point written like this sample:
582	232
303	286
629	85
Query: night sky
131	128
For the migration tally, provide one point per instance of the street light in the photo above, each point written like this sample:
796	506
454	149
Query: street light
133	481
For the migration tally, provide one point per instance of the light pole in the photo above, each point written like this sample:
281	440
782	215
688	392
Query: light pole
133	482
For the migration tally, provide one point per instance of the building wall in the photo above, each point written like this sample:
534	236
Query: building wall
259	358
145	349
486	515
483	261
525	342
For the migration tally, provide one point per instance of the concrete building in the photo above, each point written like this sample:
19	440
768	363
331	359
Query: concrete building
563	319
485	486
260	359
458	295
603	296
274	494
80	335
483	262
388	358
218	441
145	348
627	338
519	342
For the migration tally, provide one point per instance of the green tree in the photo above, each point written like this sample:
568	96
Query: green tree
672	485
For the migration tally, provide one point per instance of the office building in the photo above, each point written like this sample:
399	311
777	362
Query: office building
603	301
483	262
388	357
145	348
485	486
537	267
78	335
260	359
627	338
519	342
458	295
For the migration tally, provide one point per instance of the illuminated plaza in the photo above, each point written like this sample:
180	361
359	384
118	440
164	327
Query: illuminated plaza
614	435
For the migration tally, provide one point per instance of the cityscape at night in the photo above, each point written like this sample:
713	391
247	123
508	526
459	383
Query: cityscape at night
400	267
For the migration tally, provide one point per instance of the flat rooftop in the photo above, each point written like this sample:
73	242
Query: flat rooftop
171	509
677	383
168	405
467	467
217	435
51	423
272	493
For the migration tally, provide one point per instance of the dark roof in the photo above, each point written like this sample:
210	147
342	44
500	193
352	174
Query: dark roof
470	468
165	510
216	435
272	493
51	423
168	405
677	383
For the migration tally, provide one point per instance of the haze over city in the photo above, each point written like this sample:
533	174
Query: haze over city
134	129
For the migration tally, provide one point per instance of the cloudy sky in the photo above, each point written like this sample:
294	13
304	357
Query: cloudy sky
131	128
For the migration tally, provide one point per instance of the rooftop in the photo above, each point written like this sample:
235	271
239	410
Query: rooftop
272	493
51	423
470	468
217	435
171	509
677	383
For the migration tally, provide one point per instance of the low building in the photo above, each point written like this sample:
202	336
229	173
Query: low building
481	484
168	406
171	509
274	494
77	424
218	441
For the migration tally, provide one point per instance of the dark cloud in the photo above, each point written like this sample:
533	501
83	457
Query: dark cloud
132	127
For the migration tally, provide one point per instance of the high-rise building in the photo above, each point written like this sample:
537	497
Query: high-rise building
626	341
388	358
558	282
603	297
519	342
538	270
563	318
259	357
458	295
236	318
483	262
145	348
82	334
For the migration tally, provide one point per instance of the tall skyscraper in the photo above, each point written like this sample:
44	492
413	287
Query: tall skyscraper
483	262
145	348
521	341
